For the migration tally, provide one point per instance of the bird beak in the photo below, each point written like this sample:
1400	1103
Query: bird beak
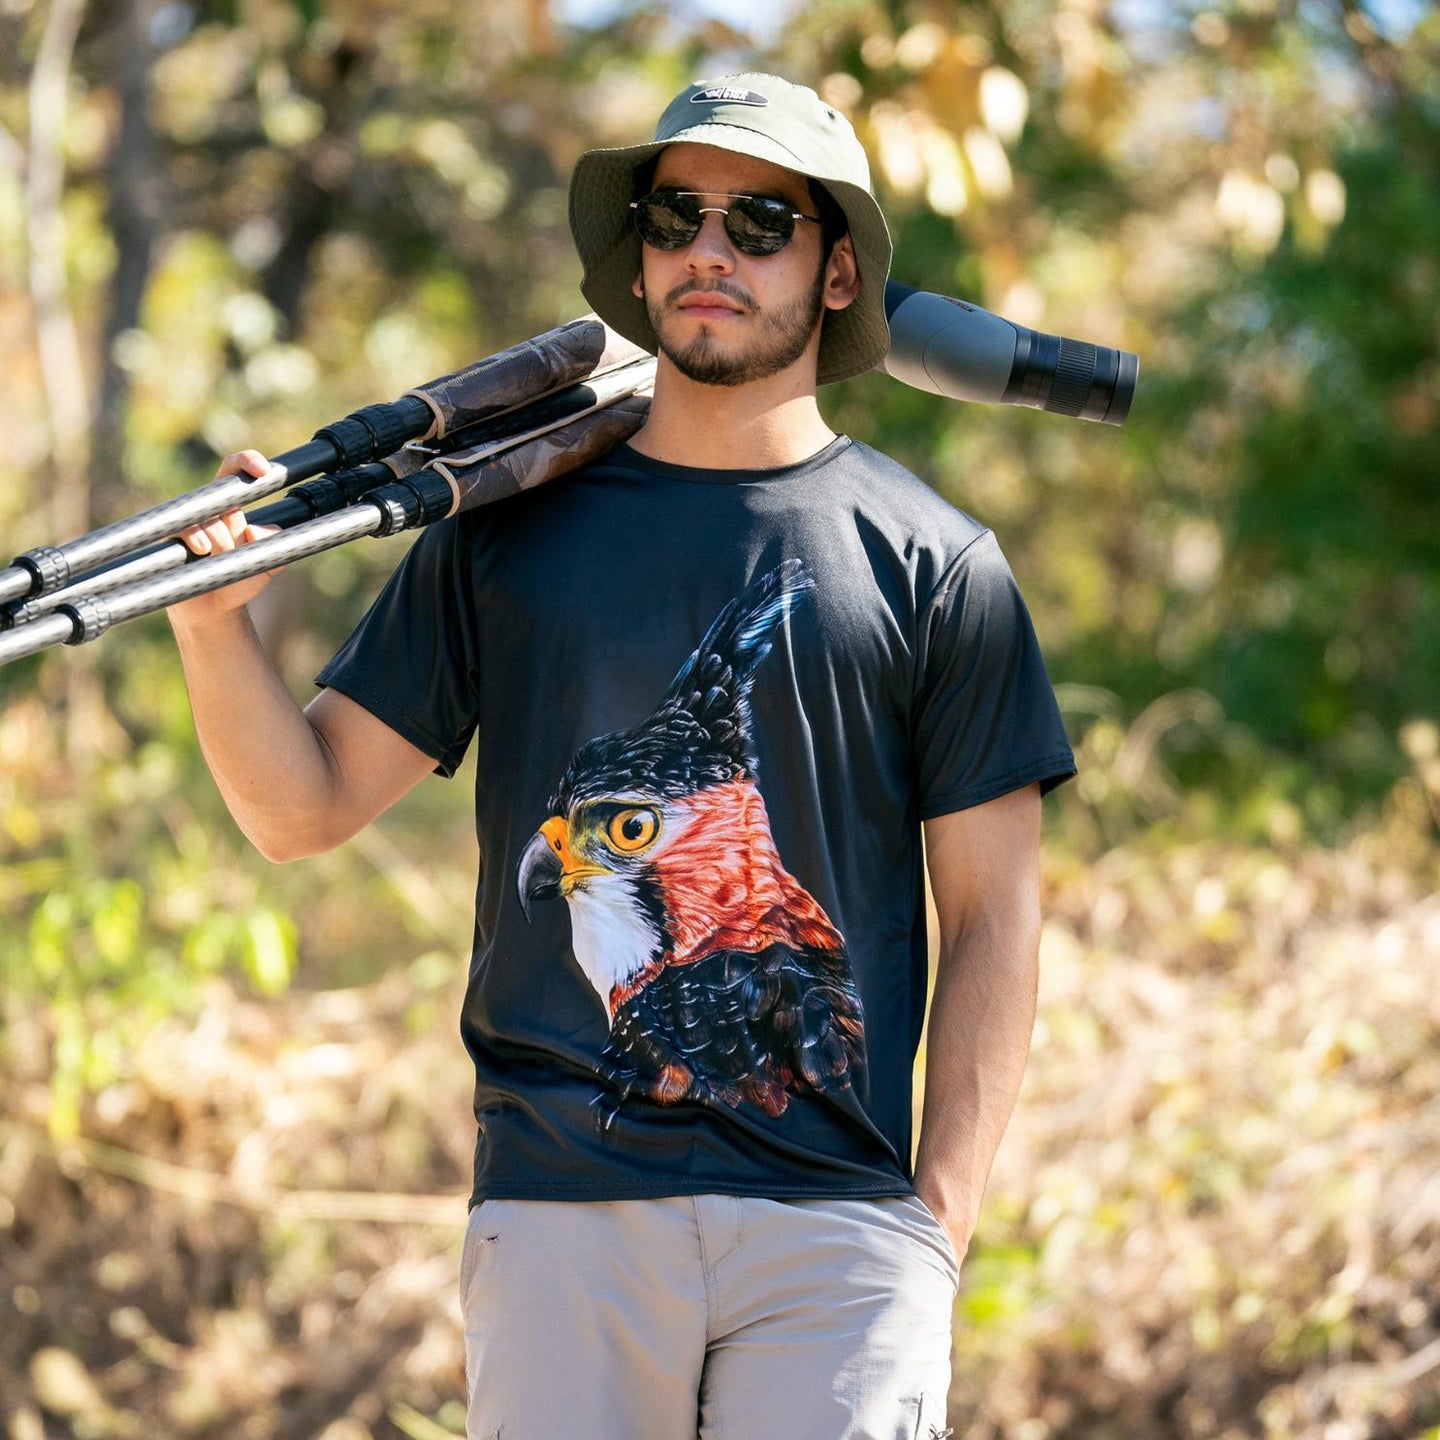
548	866
541	867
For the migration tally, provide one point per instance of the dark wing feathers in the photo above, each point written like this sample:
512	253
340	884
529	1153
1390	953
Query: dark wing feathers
740	1026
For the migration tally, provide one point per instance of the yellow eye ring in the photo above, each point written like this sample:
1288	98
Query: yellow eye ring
631	830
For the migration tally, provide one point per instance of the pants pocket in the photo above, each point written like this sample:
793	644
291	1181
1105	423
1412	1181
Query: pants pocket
470	1249
931	1424
939	1234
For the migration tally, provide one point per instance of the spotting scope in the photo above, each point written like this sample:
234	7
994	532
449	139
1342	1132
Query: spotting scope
953	348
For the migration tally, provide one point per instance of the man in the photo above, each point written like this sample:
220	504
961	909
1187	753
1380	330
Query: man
718	683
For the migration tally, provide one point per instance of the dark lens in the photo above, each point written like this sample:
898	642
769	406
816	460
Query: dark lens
758	226
667	222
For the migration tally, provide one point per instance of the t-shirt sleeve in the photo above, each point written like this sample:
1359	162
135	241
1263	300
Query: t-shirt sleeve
411	660
986	721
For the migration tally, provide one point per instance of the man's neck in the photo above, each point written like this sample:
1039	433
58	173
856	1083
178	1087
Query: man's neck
759	426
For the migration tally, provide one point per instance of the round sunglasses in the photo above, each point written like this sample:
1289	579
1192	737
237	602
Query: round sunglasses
756	224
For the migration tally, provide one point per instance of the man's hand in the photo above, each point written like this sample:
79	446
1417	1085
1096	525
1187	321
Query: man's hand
958	1226
227	532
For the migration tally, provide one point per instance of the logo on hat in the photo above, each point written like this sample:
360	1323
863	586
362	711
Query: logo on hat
728	95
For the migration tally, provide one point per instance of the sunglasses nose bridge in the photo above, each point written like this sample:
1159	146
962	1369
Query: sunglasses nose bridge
713	237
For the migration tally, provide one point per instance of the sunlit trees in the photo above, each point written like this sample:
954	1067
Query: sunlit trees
226	225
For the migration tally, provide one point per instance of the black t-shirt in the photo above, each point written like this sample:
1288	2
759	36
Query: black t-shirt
711	710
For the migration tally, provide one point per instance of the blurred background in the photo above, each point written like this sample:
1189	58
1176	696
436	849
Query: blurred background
234	1113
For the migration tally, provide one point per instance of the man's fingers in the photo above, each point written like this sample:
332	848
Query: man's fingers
223	533
230	529
211	538
243	462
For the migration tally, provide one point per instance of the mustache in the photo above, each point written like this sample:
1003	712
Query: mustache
696	286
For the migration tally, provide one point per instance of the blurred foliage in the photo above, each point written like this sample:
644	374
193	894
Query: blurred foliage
228	224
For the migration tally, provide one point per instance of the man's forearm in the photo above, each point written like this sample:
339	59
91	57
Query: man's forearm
978	1041
269	763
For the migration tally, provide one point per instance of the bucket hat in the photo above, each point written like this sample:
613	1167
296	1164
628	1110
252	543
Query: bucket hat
767	118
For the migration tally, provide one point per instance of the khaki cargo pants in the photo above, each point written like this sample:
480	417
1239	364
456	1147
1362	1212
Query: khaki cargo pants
710	1316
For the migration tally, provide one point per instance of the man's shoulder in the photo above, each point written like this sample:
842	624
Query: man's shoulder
892	490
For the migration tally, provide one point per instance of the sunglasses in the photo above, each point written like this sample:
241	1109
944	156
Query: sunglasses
756	224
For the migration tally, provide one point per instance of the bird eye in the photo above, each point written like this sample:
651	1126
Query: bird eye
630	830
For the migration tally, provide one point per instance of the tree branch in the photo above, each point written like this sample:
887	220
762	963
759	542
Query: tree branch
61	370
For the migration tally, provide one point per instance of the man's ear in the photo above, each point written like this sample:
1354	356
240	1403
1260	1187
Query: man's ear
637	285
842	275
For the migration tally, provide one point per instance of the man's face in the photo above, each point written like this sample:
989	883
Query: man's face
723	317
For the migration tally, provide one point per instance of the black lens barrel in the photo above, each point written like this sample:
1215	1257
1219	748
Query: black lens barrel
1070	377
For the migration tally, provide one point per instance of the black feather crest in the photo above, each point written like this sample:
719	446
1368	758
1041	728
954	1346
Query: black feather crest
699	733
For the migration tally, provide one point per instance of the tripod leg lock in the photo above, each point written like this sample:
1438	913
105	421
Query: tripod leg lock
375	431
416	500
90	616
49	567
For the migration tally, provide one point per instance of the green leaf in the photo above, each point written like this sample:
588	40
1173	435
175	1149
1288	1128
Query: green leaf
269	956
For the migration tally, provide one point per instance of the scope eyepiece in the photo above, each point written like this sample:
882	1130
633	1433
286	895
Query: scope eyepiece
1071	377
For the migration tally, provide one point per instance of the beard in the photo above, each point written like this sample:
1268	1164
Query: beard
784	334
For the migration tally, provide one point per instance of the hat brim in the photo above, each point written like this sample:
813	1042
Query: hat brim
852	341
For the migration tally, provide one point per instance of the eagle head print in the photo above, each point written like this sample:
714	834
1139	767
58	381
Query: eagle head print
723	979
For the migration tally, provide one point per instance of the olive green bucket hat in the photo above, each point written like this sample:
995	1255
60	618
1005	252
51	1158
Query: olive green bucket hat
766	118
